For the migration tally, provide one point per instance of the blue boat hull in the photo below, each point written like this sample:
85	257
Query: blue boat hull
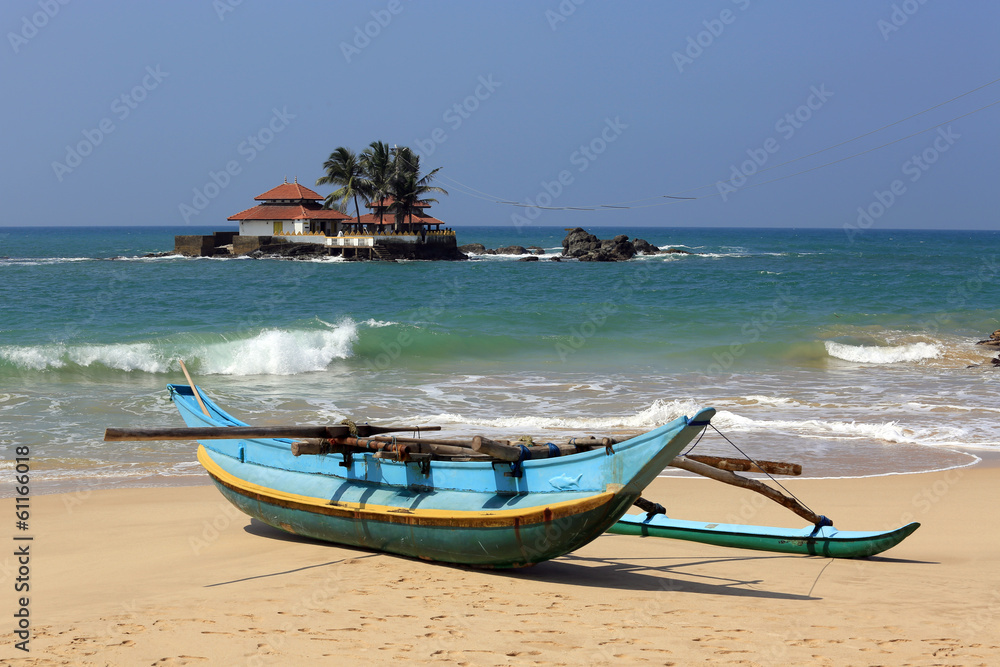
474	513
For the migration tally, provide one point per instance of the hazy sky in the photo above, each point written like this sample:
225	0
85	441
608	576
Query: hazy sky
173	113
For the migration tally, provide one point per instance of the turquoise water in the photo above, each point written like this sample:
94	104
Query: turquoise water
849	355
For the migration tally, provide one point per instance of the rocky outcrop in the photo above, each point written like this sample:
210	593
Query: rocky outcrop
511	250
993	340
588	248
290	250
535	250
578	243
473	248
644	247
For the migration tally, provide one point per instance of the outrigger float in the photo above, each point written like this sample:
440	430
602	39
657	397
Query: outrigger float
474	502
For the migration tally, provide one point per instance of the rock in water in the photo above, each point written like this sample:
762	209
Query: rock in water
588	248
474	248
512	250
578	242
993	340
644	247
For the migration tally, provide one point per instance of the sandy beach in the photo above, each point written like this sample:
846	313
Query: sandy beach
175	576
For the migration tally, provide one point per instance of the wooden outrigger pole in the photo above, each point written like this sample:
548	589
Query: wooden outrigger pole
727	477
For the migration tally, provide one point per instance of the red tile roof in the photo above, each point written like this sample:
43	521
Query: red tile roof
388	201
288	212
389	219
289	191
428	220
372	219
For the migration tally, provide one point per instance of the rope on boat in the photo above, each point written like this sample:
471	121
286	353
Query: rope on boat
822	518
824	521
700	436
352	427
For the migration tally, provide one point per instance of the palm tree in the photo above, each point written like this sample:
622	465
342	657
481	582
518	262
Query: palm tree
376	161
407	187
343	169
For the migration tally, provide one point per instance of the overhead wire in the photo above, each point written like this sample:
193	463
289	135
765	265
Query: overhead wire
676	197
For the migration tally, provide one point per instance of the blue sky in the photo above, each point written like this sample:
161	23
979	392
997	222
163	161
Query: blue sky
175	113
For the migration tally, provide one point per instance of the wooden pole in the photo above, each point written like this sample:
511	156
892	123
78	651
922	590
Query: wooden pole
449	448
507	452
246	432
592	442
742	465
727	477
498	450
339	445
194	389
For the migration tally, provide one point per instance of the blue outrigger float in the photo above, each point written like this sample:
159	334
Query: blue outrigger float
823	540
482	506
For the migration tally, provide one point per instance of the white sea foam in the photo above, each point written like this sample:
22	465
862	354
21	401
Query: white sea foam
771	400
886	431
870	354
35	261
270	352
657	414
143	357
140	258
279	352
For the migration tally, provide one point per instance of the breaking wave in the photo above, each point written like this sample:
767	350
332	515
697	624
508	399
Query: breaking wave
267	352
657	414
872	354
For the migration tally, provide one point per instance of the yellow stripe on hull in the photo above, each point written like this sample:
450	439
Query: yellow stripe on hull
415	517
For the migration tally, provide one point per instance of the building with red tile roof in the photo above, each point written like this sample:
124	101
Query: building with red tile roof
293	214
289	208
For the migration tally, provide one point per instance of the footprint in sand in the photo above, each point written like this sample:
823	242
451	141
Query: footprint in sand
179	660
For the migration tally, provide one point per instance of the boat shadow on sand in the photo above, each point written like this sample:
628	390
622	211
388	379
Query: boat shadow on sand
633	574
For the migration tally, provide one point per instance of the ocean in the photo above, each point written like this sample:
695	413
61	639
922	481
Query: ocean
852	354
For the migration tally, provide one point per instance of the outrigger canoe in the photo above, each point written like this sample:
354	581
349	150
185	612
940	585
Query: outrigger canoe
499	507
481	513
824	541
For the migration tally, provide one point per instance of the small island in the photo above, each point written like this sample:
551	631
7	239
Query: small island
290	221
293	221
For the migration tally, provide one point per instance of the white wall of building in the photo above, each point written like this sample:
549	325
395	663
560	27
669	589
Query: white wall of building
256	228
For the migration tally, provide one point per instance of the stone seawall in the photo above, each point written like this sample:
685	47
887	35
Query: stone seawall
432	247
